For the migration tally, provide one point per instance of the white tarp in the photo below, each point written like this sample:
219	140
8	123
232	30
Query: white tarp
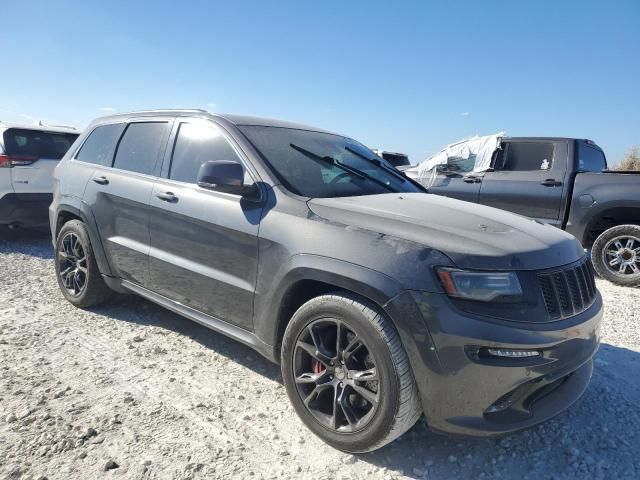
475	152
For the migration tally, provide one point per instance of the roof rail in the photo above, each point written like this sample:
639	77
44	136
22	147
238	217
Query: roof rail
42	124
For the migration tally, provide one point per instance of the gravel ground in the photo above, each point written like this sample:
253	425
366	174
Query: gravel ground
131	390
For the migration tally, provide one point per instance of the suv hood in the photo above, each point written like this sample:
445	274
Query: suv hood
473	236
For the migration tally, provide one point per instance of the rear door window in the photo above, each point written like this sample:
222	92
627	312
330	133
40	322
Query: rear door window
36	144
197	143
141	147
591	159
528	156
99	145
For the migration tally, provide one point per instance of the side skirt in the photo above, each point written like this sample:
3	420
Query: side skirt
220	326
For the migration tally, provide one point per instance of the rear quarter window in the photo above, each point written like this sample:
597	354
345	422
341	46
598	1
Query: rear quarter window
99	146
590	159
37	143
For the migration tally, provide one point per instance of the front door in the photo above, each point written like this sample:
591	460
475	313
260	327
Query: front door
456	179
204	244
529	180
118	196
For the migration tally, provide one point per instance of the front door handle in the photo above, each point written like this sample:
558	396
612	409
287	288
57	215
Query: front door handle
101	180
472	179
551	182
167	197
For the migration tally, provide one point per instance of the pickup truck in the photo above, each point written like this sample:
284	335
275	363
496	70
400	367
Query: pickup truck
564	182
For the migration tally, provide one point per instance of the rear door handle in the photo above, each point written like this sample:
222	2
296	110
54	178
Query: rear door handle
551	182
167	197
101	180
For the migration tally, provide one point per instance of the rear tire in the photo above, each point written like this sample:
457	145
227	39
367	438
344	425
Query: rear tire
76	269
365	395
616	255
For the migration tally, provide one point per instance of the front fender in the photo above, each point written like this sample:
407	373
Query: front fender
371	284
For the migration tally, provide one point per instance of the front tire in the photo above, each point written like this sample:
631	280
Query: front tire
347	373
76	268
616	255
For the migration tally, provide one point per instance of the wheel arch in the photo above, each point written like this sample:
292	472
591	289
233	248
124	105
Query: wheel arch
65	213
310	276
608	218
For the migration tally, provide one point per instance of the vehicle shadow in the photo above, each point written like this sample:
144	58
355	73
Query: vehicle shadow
29	241
134	309
583	441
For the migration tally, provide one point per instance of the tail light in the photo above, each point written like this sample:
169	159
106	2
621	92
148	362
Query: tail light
8	161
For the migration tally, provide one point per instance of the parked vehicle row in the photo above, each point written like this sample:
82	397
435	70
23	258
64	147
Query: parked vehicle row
563	182
379	302
28	155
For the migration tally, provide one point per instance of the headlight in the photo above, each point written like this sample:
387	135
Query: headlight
482	286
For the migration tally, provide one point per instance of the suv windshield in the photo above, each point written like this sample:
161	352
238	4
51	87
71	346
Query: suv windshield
316	164
37	143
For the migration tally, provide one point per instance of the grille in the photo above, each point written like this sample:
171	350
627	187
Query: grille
568	291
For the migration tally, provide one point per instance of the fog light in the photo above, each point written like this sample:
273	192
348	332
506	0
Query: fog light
500	352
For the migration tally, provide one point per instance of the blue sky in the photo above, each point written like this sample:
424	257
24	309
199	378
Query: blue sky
404	76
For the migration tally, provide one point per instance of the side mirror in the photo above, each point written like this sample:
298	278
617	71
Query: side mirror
444	169
223	176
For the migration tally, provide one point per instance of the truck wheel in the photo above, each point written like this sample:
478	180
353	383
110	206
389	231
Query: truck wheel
76	269
616	255
347	373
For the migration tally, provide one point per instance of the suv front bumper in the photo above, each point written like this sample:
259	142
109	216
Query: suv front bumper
25	209
469	394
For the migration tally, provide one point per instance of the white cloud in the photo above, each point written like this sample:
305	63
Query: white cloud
107	109
465	114
211	105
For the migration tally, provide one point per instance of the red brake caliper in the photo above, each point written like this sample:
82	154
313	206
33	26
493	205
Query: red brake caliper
317	366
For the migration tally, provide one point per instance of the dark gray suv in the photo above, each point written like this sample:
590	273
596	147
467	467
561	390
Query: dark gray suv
380	302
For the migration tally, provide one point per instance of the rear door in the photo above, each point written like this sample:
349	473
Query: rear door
204	244
118	194
528	179
33	155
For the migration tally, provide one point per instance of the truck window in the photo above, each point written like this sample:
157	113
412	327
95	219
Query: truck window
590	159
461	165
523	156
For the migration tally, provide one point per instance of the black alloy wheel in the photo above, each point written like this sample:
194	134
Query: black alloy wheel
76	269
72	264
347	373
336	375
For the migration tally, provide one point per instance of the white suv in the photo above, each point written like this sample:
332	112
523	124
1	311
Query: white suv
28	155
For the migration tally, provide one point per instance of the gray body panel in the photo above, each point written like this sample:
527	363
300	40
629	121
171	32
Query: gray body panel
121	211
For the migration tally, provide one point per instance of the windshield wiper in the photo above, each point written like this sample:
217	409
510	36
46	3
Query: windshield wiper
377	162
347	168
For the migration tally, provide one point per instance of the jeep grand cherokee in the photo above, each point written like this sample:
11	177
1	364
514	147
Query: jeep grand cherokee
381	302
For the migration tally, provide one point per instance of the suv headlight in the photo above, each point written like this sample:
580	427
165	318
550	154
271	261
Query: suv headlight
482	286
